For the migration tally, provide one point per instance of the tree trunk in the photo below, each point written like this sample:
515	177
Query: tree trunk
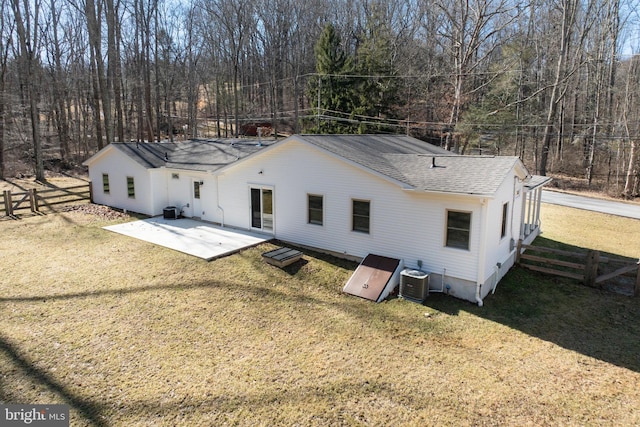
631	170
568	9
95	42
28	77
114	68
59	89
2	126
96	105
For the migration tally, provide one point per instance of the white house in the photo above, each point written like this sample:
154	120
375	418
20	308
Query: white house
457	217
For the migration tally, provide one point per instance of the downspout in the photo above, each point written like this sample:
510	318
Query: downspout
482	254
218	200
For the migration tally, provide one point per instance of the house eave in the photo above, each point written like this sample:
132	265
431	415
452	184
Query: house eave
450	193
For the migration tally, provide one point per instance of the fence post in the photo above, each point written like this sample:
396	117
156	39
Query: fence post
33	200
591	268
8	204
90	191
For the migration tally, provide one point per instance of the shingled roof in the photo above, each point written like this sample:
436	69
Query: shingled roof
411	162
199	154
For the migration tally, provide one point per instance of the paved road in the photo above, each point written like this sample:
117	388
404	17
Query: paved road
605	206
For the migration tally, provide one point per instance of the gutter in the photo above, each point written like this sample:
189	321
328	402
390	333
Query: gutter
448	193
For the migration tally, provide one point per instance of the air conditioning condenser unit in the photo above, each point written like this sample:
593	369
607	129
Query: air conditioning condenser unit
414	285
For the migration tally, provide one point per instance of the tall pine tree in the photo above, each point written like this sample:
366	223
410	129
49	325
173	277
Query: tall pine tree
331	88
377	87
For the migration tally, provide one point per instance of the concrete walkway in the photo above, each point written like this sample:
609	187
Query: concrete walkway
196	238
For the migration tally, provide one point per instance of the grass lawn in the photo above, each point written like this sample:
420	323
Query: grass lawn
130	334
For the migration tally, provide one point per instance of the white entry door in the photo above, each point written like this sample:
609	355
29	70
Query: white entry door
196	201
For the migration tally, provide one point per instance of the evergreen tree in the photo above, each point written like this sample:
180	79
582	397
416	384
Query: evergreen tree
332	91
377	88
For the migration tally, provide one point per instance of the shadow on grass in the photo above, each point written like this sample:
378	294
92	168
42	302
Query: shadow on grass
85	407
594	322
290	396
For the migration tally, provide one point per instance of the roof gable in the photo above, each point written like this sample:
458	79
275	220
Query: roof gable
410	161
198	155
476	175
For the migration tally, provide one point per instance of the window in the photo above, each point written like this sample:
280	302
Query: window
196	189
131	191
458	229
105	183
505	219
315	212
361	210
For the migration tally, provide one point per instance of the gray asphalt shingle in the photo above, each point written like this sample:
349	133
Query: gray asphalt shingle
404	159
409	161
200	155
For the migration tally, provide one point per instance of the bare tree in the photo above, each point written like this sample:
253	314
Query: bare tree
27	16
94	26
631	127
470	29
237	20
567	63
58	79
5	31
114	71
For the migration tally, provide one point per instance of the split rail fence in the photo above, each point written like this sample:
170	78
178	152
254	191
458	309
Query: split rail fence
584	267
38	202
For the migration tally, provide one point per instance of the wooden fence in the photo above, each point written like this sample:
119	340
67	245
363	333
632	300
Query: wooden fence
584	267
38	202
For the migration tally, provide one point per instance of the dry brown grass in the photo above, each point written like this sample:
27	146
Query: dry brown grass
130	334
592	230
19	185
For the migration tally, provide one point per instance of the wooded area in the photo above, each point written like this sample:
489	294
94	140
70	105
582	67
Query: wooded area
554	82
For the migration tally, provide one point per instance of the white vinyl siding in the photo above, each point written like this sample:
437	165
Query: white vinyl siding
407	224
151	187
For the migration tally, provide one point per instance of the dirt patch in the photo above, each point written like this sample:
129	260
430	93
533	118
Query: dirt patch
100	211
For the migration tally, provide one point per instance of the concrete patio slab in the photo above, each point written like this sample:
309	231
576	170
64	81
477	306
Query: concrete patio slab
203	240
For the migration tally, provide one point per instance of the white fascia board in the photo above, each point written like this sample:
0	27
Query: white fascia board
521	170
452	193
97	155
